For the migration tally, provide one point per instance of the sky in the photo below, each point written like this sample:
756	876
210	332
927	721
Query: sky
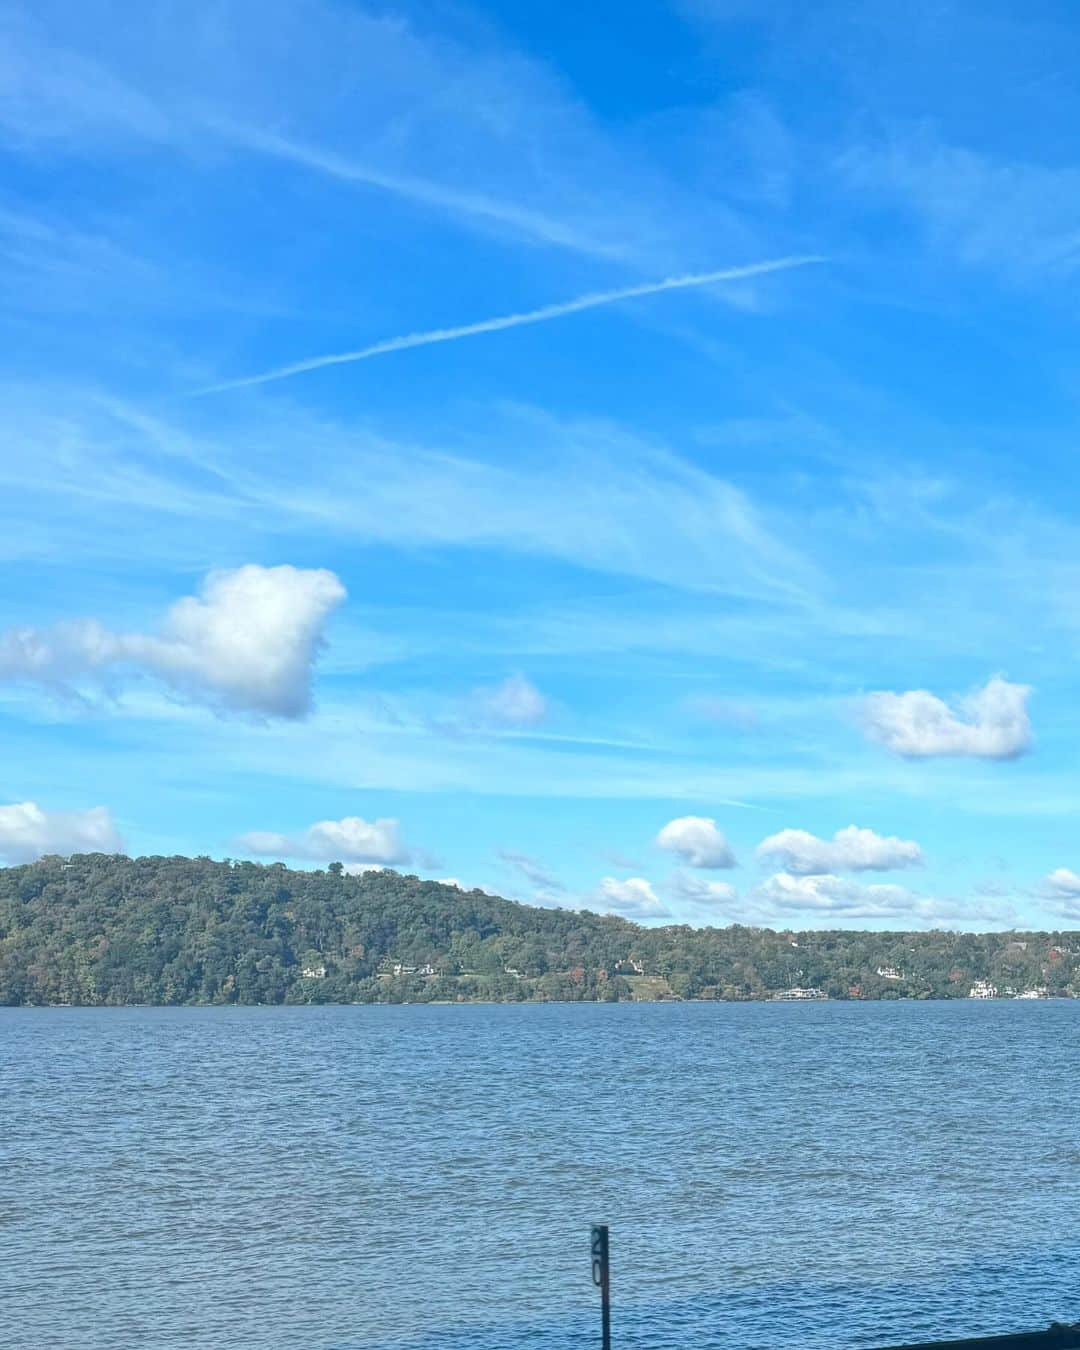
618	457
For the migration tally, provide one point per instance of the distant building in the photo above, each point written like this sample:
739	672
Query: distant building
983	989
313	972
390	966
890	973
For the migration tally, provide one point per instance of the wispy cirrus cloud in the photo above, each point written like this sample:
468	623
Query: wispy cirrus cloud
467	128
515	702
531	869
544	314
1015	218
586	492
477	205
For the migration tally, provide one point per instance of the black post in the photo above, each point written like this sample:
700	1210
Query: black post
601	1277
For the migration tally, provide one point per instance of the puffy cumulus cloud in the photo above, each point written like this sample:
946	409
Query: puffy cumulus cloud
849	850
990	723
349	840
1064	883
719	894
27	832
633	898
697	841
827	897
516	702
834	895
246	643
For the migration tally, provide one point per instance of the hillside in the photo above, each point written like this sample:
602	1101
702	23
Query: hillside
106	929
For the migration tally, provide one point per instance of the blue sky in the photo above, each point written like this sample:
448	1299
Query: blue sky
529	607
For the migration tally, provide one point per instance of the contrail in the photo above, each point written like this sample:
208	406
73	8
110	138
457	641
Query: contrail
591	301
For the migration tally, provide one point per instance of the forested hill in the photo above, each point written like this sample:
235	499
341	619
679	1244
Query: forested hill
103	929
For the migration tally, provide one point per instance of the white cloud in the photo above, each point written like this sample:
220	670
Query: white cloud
702	892
27	832
266	843
697	841
633	898
463	886
834	894
584	492
531	869
1012	216
247	642
349	840
514	702
1064	883
785	897
849	850
477	132
494	325
990	723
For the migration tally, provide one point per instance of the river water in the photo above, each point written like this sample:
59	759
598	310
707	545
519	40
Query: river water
406	1178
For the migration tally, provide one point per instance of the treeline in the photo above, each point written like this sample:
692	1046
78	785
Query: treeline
99	929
